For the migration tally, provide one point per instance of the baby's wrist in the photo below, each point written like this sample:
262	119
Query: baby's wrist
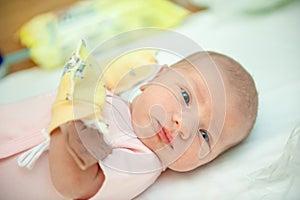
85	144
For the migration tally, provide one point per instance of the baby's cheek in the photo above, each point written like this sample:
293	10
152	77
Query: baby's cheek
153	143
172	104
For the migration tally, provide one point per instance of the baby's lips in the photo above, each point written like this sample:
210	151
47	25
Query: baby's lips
168	134
165	135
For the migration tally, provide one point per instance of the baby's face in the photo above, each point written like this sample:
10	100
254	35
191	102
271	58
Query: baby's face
171	117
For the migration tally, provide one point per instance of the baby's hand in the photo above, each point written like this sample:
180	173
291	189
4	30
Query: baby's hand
85	144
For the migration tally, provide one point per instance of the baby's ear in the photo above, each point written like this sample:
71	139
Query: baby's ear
162	69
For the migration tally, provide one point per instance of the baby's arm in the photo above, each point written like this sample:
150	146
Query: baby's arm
74	172
67	177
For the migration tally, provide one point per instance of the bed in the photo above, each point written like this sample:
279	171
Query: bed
266	165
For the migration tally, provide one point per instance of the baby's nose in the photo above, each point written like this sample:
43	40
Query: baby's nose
177	124
176	121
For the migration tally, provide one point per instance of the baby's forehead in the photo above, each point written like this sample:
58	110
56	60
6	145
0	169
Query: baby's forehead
193	77
187	70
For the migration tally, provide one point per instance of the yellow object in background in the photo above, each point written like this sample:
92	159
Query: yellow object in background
52	36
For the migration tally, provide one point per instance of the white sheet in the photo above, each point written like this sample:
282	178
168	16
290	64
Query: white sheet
268	46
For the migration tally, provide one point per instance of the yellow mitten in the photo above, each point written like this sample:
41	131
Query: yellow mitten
81	94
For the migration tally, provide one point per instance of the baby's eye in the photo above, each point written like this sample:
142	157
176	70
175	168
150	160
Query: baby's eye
204	135
185	96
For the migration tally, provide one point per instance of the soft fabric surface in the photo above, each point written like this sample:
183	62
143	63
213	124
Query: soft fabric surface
264	166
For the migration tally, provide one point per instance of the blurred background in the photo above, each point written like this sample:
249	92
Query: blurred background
13	14
16	15
44	33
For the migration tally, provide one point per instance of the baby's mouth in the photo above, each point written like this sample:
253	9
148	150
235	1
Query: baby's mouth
165	135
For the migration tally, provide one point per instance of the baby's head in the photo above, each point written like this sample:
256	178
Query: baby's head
196	109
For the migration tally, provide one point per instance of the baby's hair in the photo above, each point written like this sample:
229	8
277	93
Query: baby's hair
239	85
242	87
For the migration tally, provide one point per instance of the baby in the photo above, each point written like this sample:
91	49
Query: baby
185	117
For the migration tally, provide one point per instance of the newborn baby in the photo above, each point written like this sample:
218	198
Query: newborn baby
186	116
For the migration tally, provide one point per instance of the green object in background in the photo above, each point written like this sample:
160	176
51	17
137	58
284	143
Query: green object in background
51	37
12	58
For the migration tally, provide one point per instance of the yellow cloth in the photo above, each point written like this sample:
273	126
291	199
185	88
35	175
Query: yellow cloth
116	76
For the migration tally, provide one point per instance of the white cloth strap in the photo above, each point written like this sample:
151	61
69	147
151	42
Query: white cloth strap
28	158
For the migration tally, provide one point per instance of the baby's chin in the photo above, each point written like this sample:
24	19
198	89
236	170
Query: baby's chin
153	143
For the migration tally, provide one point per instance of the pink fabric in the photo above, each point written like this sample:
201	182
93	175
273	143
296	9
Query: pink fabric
132	167
21	125
22	122
21	129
